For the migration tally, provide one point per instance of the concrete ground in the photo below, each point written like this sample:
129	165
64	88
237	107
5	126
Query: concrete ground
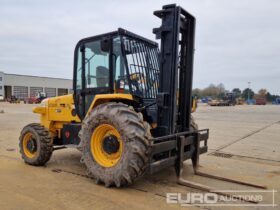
244	144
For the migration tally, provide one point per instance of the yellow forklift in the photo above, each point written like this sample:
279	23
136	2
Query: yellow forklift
130	112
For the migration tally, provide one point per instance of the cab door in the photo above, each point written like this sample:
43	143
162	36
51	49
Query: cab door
92	74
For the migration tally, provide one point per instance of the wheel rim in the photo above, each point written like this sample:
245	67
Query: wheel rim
29	145
106	145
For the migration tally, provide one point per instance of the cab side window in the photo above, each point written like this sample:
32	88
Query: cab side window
96	66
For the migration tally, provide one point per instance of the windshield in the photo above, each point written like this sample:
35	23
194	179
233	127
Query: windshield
143	66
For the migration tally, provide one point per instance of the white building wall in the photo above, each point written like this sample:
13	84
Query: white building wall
33	82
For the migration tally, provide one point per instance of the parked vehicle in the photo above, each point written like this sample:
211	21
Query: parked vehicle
276	102
251	101
14	100
37	99
206	99
260	101
228	100
125	117
240	101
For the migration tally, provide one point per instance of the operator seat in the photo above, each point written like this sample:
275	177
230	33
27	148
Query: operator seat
102	76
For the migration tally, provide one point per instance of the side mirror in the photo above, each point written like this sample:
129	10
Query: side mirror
105	45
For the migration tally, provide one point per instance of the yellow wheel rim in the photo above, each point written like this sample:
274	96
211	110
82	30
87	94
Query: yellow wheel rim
27	139
101	156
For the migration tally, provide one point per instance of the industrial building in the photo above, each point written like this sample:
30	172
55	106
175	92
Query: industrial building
24	86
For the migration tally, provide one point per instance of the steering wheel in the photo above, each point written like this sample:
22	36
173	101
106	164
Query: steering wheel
137	77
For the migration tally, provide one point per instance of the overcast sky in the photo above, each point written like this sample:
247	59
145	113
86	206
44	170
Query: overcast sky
236	41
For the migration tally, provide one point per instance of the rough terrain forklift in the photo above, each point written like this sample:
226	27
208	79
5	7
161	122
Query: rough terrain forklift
130	113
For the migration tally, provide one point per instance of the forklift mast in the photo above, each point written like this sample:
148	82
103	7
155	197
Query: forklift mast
176	69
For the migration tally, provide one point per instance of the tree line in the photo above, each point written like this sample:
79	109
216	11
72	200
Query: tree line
219	91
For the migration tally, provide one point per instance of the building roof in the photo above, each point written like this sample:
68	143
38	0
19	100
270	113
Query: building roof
35	76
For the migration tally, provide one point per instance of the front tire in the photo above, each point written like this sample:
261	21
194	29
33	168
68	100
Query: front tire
115	144
35	145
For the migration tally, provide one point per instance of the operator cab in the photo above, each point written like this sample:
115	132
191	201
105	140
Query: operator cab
116	62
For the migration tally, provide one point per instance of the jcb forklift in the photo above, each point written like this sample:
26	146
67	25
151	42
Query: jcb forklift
130	113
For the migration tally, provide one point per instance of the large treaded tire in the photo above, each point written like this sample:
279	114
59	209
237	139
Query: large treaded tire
135	134
43	141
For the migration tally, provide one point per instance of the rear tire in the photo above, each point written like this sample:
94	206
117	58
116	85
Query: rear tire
35	145
134	137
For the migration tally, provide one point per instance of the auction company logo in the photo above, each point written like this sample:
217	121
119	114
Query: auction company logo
213	199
